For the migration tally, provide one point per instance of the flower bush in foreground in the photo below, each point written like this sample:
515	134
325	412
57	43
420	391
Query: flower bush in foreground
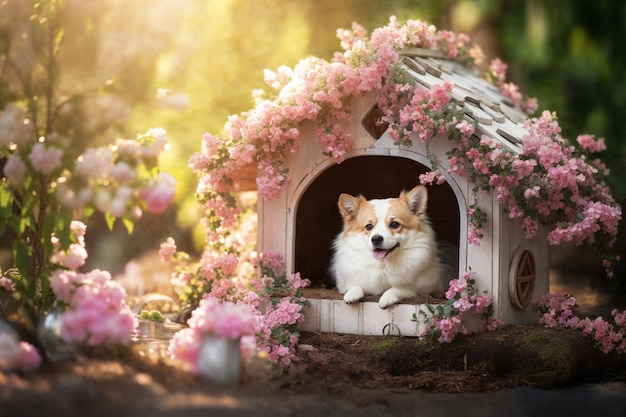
119	180
212	317
54	172
557	310
16	355
464	304
257	283
94	309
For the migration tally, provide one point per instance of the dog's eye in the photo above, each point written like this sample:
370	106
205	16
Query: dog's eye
369	227
394	225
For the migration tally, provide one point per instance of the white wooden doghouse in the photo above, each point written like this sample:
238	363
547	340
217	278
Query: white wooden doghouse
303	221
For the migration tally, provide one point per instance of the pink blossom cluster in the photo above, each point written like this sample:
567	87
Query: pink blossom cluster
549	182
15	128
16	355
116	179
558	310
119	179
408	109
167	249
277	336
497	75
76	254
463	301
222	318
94	308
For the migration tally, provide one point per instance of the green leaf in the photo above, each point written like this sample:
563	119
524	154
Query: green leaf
110	220
6	203
129	224
23	254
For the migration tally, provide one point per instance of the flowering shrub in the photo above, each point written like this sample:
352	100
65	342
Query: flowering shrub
557	310
39	198
446	320
212	317
53	172
16	355
279	299
94	309
256	282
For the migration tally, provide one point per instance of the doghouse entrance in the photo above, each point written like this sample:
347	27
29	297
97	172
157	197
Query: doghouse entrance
318	220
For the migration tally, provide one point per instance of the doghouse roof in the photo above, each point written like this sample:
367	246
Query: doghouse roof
495	115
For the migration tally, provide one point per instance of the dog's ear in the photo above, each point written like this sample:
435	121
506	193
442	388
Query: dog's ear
349	206
416	199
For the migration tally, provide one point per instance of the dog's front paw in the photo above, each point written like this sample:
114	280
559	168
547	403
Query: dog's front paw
353	295
387	299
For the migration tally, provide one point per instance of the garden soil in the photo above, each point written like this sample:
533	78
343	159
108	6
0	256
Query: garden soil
514	371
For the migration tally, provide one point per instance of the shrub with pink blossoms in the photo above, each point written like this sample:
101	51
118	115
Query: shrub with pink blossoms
94	309
257	282
212	317
16	355
558	310
444	321
44	187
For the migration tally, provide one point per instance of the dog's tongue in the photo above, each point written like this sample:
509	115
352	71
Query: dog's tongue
380	253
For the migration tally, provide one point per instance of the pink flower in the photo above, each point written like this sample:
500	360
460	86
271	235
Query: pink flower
45	159
160	193
96	311
463	303
227	263
15	128
167	249
16	355
590	143
222	318
185	346
296	282
15	170
6	284
95	163
73	258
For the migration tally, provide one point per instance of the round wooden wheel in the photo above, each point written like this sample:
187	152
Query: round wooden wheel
522	278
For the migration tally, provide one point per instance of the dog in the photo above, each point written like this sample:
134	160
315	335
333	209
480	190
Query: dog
387	247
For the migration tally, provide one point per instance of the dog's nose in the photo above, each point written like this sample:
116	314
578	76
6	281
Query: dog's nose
377	240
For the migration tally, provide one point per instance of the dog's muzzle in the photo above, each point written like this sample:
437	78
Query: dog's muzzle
381	253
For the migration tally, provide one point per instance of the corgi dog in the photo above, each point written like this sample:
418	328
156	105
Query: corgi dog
387	247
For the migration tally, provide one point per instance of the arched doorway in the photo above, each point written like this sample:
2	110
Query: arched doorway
318	221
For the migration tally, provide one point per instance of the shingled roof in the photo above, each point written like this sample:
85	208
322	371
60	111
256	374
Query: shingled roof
496	116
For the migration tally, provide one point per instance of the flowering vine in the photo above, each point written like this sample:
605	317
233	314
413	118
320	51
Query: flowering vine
550	181
464	303
558	310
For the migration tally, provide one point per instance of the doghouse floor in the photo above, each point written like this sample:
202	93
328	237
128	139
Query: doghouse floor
328	313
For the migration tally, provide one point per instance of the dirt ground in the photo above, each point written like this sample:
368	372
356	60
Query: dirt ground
337	375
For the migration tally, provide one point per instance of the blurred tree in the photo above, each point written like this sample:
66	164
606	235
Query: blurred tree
569	54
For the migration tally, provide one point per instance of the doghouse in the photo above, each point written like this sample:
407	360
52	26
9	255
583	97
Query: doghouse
303	221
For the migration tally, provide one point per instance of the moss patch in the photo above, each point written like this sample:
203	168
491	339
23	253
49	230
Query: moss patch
554	361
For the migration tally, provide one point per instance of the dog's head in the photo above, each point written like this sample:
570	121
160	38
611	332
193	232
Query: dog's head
385	224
